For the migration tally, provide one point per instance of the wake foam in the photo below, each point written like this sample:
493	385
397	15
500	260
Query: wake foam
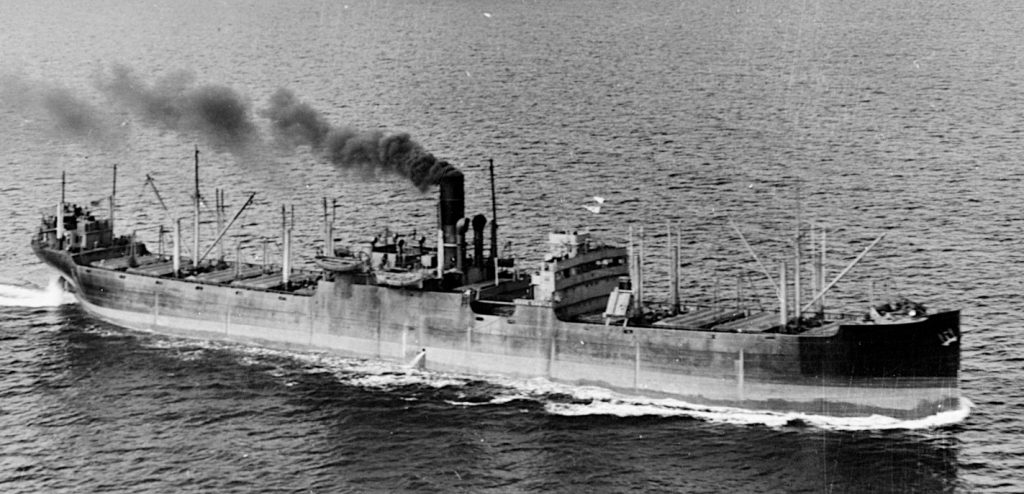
20	296
574	401
636	407
556	398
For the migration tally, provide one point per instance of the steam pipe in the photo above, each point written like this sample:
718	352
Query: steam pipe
60	225
60	211
286	264
440	253
460	234
176	252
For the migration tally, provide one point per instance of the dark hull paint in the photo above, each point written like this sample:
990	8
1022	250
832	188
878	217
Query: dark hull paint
887	350
900	370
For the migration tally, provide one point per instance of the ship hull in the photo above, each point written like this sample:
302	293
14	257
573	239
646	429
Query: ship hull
905	371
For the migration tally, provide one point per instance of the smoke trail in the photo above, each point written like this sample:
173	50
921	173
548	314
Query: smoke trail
218	113
70	114
297	123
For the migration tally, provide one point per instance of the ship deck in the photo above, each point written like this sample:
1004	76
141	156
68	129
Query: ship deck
494	299
732	320
245	275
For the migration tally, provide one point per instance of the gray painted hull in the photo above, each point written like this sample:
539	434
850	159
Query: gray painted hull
759	371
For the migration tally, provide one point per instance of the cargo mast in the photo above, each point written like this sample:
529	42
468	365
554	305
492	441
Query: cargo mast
195	221
113	196
494	223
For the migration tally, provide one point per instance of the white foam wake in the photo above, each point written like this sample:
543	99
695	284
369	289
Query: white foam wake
603	402
20	296
569	400
591	400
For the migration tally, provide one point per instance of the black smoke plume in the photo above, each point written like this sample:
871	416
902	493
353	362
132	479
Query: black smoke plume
297	123
70	114
294	122
176	102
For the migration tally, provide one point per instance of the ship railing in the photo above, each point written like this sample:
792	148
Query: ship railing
659	307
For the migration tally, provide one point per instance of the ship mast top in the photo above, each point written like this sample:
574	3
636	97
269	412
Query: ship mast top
197	173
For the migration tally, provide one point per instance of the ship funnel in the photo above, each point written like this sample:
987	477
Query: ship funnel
451	208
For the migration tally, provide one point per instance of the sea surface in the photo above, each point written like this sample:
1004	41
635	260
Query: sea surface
901	118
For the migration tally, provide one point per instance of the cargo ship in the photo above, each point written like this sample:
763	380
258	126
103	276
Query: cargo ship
579	317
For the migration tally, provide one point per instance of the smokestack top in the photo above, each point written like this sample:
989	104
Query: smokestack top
425	170
451	196
450	172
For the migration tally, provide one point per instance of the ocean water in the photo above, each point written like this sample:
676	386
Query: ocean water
862	118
